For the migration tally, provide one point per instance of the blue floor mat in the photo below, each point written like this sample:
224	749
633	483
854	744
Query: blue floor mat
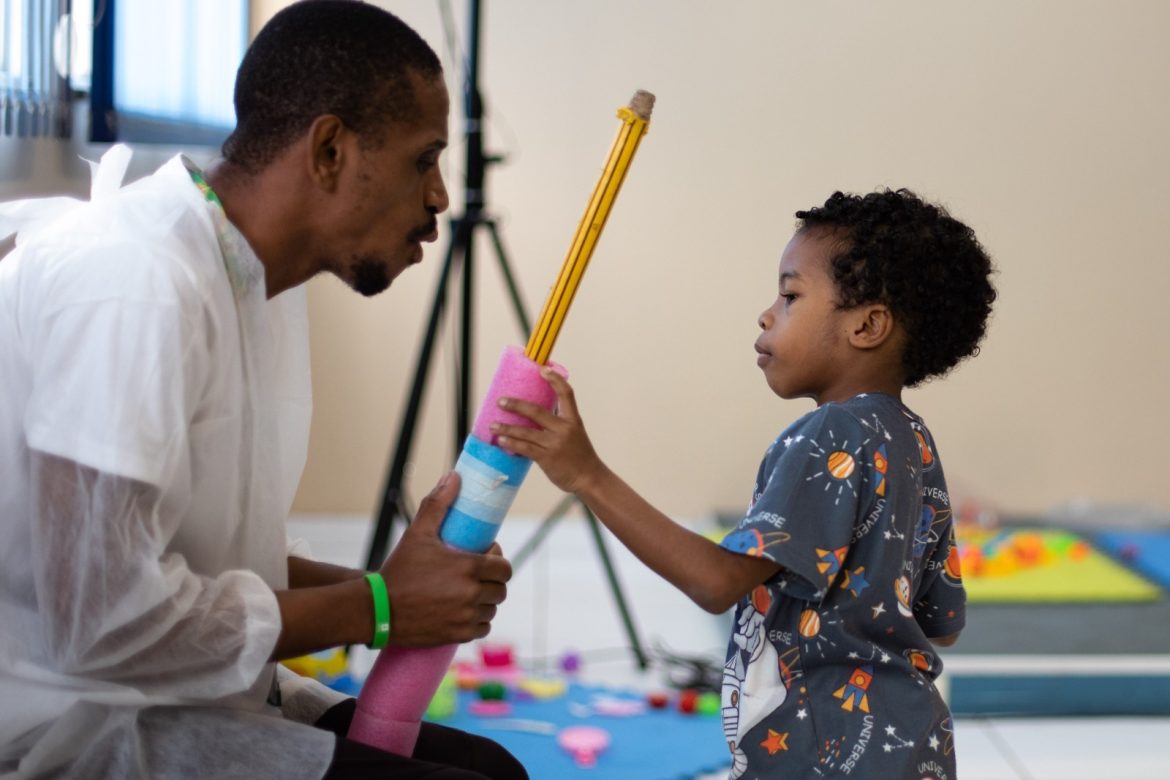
1146	551
655	745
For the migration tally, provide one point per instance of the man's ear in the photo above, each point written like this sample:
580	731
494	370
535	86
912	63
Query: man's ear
872	324
329	142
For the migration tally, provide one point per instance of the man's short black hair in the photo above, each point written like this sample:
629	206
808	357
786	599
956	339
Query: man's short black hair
316	57
914	257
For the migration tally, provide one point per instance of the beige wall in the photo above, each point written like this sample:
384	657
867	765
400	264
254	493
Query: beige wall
1044	125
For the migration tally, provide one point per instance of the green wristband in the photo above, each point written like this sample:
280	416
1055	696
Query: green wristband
381	611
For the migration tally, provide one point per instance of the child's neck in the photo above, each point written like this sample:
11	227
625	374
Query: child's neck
850	387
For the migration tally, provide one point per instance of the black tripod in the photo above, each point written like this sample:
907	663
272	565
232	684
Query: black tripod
460	255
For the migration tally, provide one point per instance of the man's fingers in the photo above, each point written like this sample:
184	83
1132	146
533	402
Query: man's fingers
494	569
493	593
434	507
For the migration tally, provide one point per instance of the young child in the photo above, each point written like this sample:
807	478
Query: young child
844	571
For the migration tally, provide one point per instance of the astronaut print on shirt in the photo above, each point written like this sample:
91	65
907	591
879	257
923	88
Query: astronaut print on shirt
830	670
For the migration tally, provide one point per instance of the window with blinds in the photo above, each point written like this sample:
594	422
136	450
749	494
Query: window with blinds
37	48
153	70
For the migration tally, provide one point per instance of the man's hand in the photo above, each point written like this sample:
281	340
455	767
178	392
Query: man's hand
439	595
561	447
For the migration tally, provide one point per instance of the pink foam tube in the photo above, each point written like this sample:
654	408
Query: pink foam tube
403	680
517	376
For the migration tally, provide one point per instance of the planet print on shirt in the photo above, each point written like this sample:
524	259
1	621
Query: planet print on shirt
902	591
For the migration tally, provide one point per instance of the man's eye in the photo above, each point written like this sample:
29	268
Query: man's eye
426	163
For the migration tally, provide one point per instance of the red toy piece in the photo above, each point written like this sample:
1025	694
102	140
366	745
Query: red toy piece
658	700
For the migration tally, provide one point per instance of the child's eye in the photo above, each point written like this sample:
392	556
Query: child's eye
788	298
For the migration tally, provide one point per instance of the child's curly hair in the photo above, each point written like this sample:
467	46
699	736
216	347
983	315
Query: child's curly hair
914	257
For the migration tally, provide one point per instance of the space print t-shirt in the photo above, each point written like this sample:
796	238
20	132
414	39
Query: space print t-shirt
829	669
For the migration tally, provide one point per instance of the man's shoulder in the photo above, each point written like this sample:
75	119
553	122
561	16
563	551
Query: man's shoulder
147	242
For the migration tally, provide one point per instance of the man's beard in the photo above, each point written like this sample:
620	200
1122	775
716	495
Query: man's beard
370	277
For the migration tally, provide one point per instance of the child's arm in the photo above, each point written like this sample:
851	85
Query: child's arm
714	578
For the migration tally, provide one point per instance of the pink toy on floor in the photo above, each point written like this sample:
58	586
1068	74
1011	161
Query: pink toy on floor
584	743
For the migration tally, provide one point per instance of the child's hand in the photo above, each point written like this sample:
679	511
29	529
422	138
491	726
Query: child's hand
561	447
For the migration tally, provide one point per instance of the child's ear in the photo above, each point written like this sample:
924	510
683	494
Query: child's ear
872	326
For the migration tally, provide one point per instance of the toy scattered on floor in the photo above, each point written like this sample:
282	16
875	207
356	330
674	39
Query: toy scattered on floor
490	708
1001	553
584	743
466	680
570	663
328	667
542	688
658	700
688	700
708	704
492	691
617	707
324	666
608	705
496	656
445	702
527	725
496	664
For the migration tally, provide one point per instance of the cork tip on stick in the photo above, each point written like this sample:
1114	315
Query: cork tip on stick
642	103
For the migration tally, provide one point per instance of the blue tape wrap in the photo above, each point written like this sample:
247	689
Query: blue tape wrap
489	478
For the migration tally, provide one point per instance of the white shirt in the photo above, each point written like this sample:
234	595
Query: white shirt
145	377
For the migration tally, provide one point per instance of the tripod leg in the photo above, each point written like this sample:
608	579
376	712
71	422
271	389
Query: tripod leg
615	586
543	531
509	280
392	497
466	316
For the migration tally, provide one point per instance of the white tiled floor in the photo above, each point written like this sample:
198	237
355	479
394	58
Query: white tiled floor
559	600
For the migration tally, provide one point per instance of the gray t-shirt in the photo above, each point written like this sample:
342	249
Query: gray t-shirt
829	669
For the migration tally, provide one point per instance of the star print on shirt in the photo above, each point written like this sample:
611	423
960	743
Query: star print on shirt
775	742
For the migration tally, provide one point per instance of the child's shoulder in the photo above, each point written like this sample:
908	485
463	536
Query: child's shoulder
858	411
862	418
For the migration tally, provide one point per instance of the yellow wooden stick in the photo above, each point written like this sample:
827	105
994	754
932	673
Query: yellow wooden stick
635	121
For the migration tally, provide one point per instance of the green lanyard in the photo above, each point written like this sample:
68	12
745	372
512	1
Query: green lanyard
205	188
227	237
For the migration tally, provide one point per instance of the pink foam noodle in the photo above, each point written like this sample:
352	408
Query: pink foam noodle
396	694
400	686
517	376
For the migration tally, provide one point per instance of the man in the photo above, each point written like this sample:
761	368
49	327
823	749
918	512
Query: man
154	424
